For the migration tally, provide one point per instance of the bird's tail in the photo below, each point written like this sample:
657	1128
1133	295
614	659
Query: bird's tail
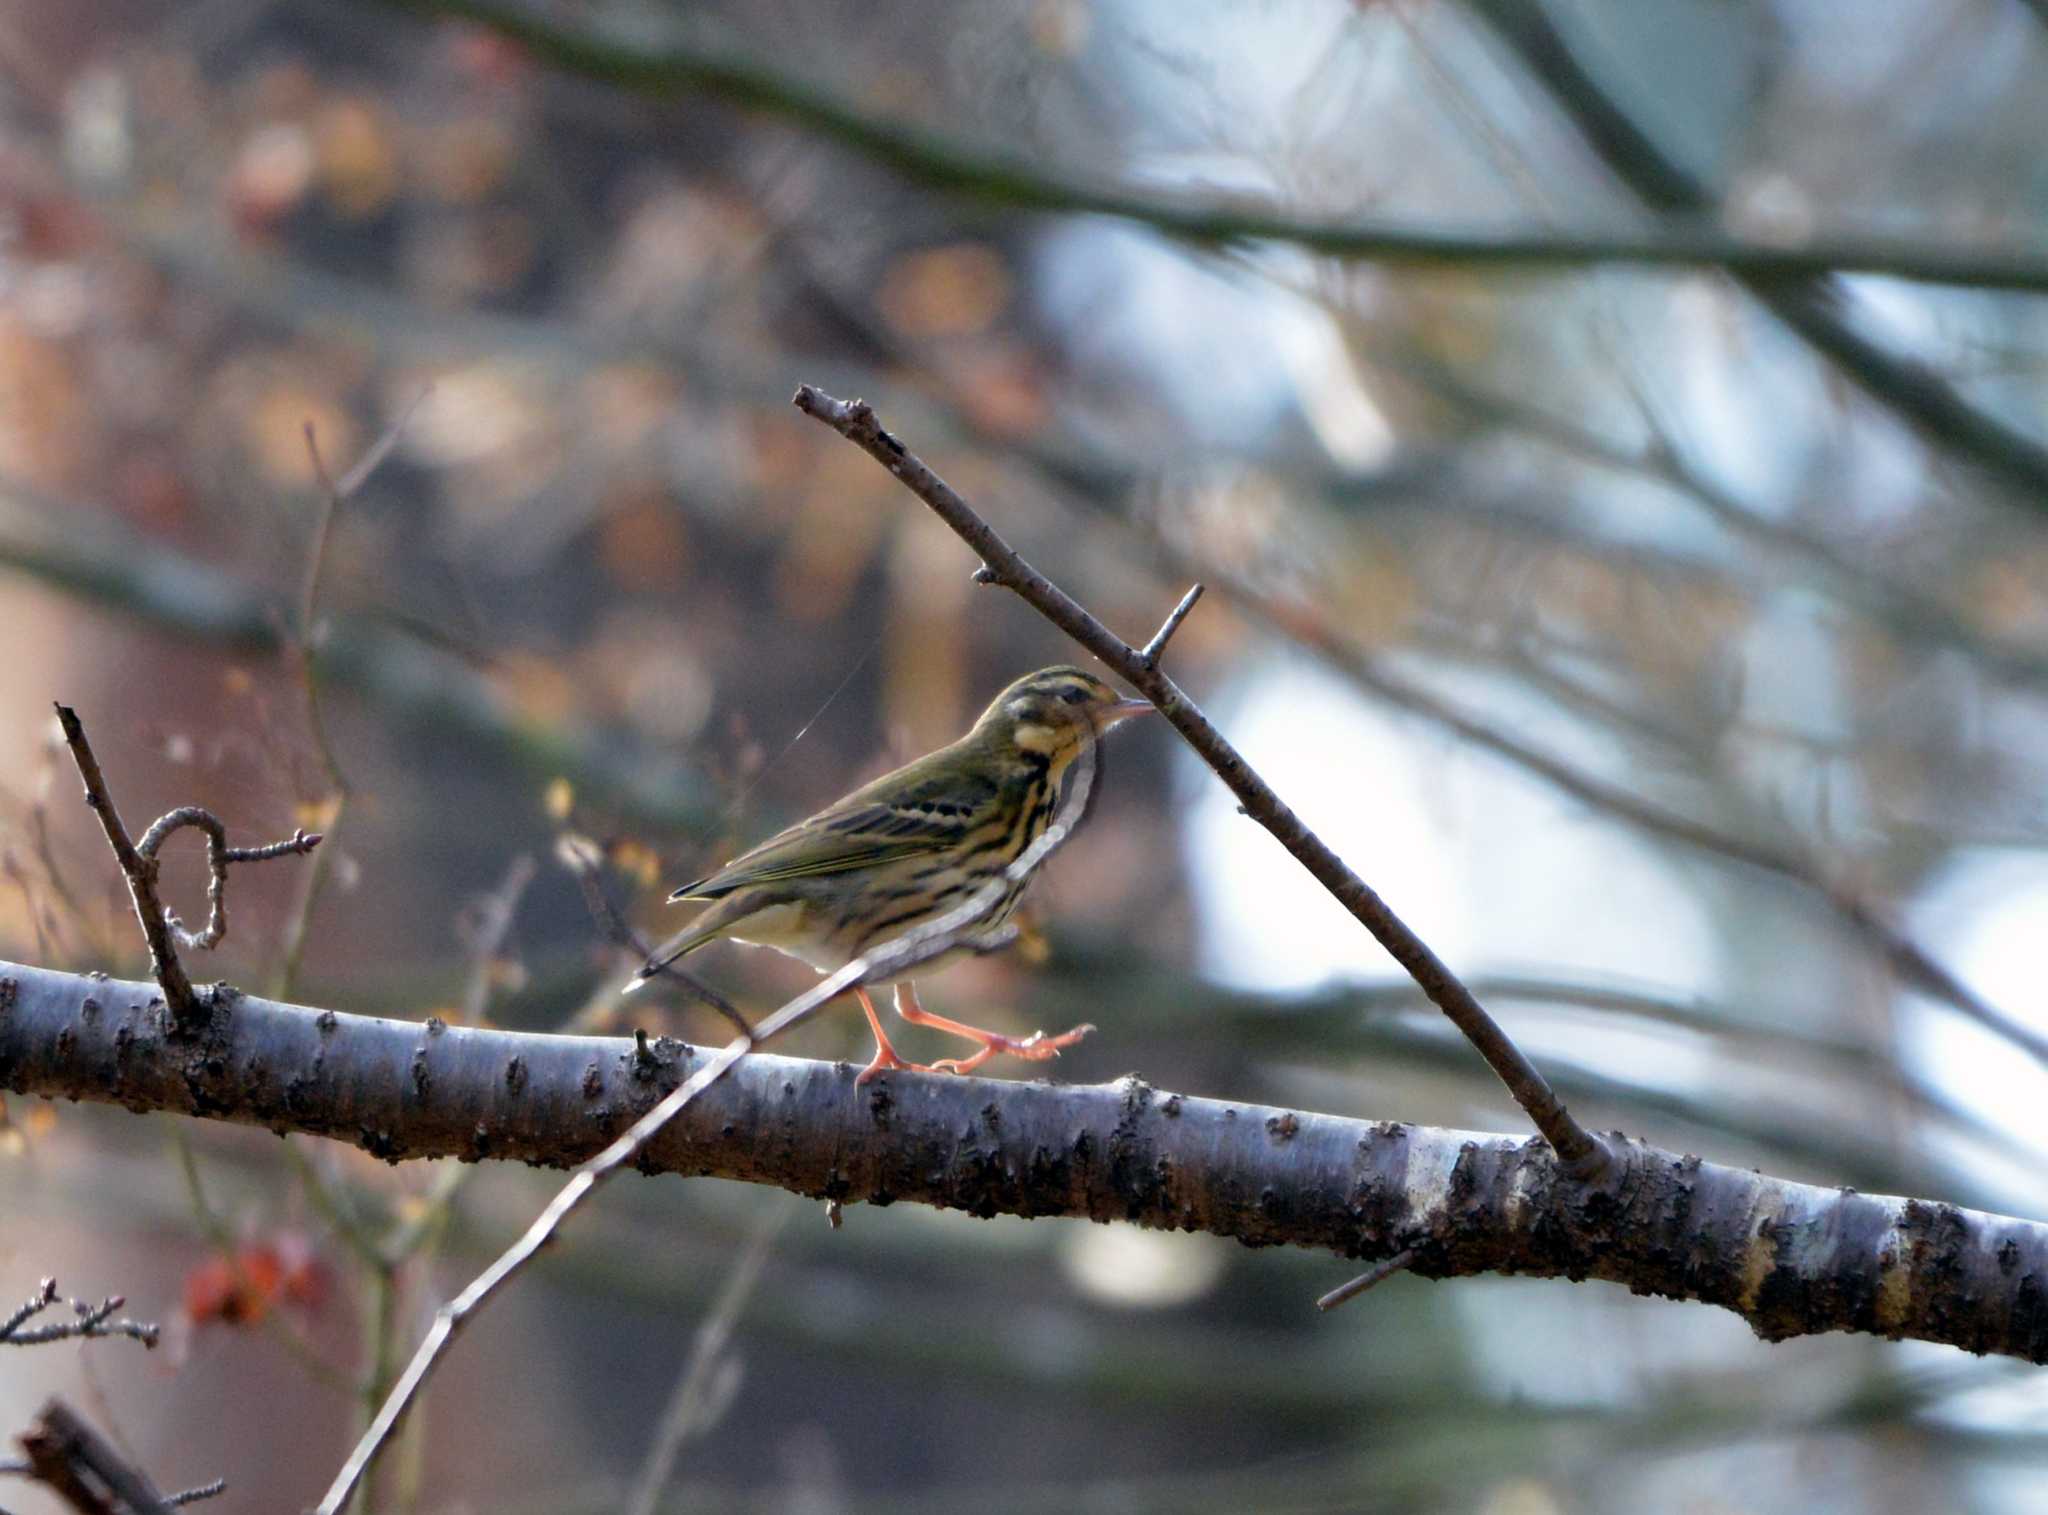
686	941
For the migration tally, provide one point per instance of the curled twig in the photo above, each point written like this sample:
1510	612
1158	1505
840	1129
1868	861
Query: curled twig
218	856
93	1321
139	868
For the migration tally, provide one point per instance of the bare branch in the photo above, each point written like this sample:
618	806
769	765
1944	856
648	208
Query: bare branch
484	927
1789	1258
1904	953
855	420
76	1463
585	861
1811	301
960	926
1152	650
944	164
97	558
92	1321
139	868
218	856
709	1378
140	872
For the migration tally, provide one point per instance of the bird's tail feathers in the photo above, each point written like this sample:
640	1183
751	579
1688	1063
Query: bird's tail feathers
681	944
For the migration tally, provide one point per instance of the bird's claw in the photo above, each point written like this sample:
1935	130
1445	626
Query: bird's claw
1035	1048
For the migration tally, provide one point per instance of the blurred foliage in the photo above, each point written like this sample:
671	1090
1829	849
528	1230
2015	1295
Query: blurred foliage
1700	620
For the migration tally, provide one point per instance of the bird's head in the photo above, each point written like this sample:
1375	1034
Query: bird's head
1055	713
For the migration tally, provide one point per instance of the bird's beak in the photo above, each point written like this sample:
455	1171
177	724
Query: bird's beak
1122	710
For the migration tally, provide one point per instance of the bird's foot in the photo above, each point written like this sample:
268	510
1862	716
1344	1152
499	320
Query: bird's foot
885	1059
1036	1048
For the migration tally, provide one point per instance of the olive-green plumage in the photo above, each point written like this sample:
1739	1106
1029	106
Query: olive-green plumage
910	847
914	843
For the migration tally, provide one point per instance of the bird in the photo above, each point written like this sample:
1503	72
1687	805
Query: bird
909	847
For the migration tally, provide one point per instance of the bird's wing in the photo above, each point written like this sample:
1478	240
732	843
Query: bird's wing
903	815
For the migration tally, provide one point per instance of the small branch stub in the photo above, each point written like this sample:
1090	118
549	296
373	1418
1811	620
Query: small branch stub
1157	646
1371	1278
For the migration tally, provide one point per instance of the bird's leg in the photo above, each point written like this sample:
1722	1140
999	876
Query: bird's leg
1036	1047
885	1055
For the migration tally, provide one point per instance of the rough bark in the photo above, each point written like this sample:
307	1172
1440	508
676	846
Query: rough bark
1791	1259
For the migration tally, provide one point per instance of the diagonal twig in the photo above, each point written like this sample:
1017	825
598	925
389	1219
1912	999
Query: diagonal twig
582	858
1371	1278
959	927
1584	1155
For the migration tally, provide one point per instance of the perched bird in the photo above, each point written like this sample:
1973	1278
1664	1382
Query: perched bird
911	846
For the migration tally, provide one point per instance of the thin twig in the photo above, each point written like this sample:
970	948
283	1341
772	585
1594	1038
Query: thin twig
1869	921
298	644
92	1321
1152	650
1583	1153
483	929
94	930
140	872
709	1379
583	859
218	856
1813	302
1372	1277
893	959
194	1496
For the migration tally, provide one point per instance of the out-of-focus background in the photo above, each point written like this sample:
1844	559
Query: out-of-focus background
1669	647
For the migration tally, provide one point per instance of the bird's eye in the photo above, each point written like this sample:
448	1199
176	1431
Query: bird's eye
1074	696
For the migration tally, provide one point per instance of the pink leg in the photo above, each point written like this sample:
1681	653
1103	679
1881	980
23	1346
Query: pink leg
885	1055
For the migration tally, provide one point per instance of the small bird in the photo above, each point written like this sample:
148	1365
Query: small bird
909	847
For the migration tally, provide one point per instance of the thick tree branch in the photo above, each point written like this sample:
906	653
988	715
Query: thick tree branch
944	164
1582	1152
1791	1259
